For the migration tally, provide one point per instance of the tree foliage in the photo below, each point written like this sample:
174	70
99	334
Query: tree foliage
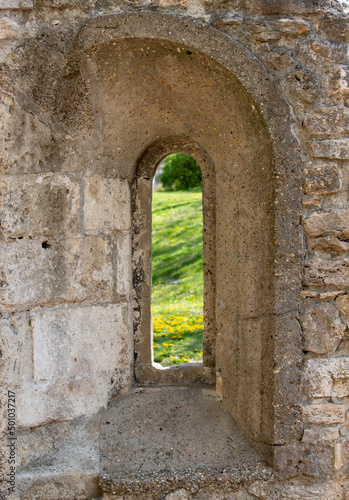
180	171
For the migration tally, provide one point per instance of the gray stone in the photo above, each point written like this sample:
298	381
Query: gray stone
323	272
334	149
322	179
16	4
106	205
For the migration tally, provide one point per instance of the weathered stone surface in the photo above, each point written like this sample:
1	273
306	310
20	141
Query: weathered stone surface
77	269
343	306
323	223
326	377
320	434
80	354
8	29
324	413
322	327
43	205
16	4
294	27
303	85
106	205
330	244
328	121
323	272
123	264
336	52
16	349
334	149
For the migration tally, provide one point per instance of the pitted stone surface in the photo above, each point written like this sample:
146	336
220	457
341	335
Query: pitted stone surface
157	439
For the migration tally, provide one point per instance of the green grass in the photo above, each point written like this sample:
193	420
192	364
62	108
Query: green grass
177	291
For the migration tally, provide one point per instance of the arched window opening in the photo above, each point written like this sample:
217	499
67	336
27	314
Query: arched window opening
177	262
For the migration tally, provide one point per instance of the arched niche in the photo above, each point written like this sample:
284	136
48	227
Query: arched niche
164	84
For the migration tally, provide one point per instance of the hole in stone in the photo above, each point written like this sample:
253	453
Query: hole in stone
45	244
177	261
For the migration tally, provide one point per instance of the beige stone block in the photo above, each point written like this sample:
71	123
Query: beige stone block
9	29
81	356
293	27
40	205
343	306
320	434
107	205
321	179
16	349
322	327
324	223
333	149
37	272
326	377
323	272
324	413
124	264
329	244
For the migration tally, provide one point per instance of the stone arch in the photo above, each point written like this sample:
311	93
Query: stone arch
258	341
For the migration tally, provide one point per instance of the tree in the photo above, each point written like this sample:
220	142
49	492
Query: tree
180	171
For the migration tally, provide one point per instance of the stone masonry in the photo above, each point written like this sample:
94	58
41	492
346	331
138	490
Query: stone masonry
93	94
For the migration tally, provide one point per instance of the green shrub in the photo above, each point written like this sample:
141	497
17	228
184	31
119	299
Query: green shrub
180	171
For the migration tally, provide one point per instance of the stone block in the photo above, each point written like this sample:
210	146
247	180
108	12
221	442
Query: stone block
343	306
325	223
123	264
16	349
16	4
320	434
40	205
329	244
322	327
80	355
293	27
336	52
328	121
9	29
107	205
323	413
37	272
333	149
326	377
323	272
321	179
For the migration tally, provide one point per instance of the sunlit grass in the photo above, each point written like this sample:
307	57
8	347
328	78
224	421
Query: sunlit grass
177	291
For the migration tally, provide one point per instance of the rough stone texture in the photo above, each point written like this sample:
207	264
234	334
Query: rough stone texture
93	95
322	328
326	378
81	356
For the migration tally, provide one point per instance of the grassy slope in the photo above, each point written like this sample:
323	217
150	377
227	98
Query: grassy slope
177	292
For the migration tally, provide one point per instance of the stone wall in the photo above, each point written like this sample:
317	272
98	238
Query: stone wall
66	277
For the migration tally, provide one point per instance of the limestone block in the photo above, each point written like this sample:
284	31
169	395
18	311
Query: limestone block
80	354
324	413
292	27
333	149
329	244
326	378
336	52
320	434
16	4
16	349
37	272
322	327
325	223
322	179
343	306
123	264
320	272
330	121
9	29
107	205
40	205
303	85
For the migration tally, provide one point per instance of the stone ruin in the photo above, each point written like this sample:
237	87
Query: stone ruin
94	94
